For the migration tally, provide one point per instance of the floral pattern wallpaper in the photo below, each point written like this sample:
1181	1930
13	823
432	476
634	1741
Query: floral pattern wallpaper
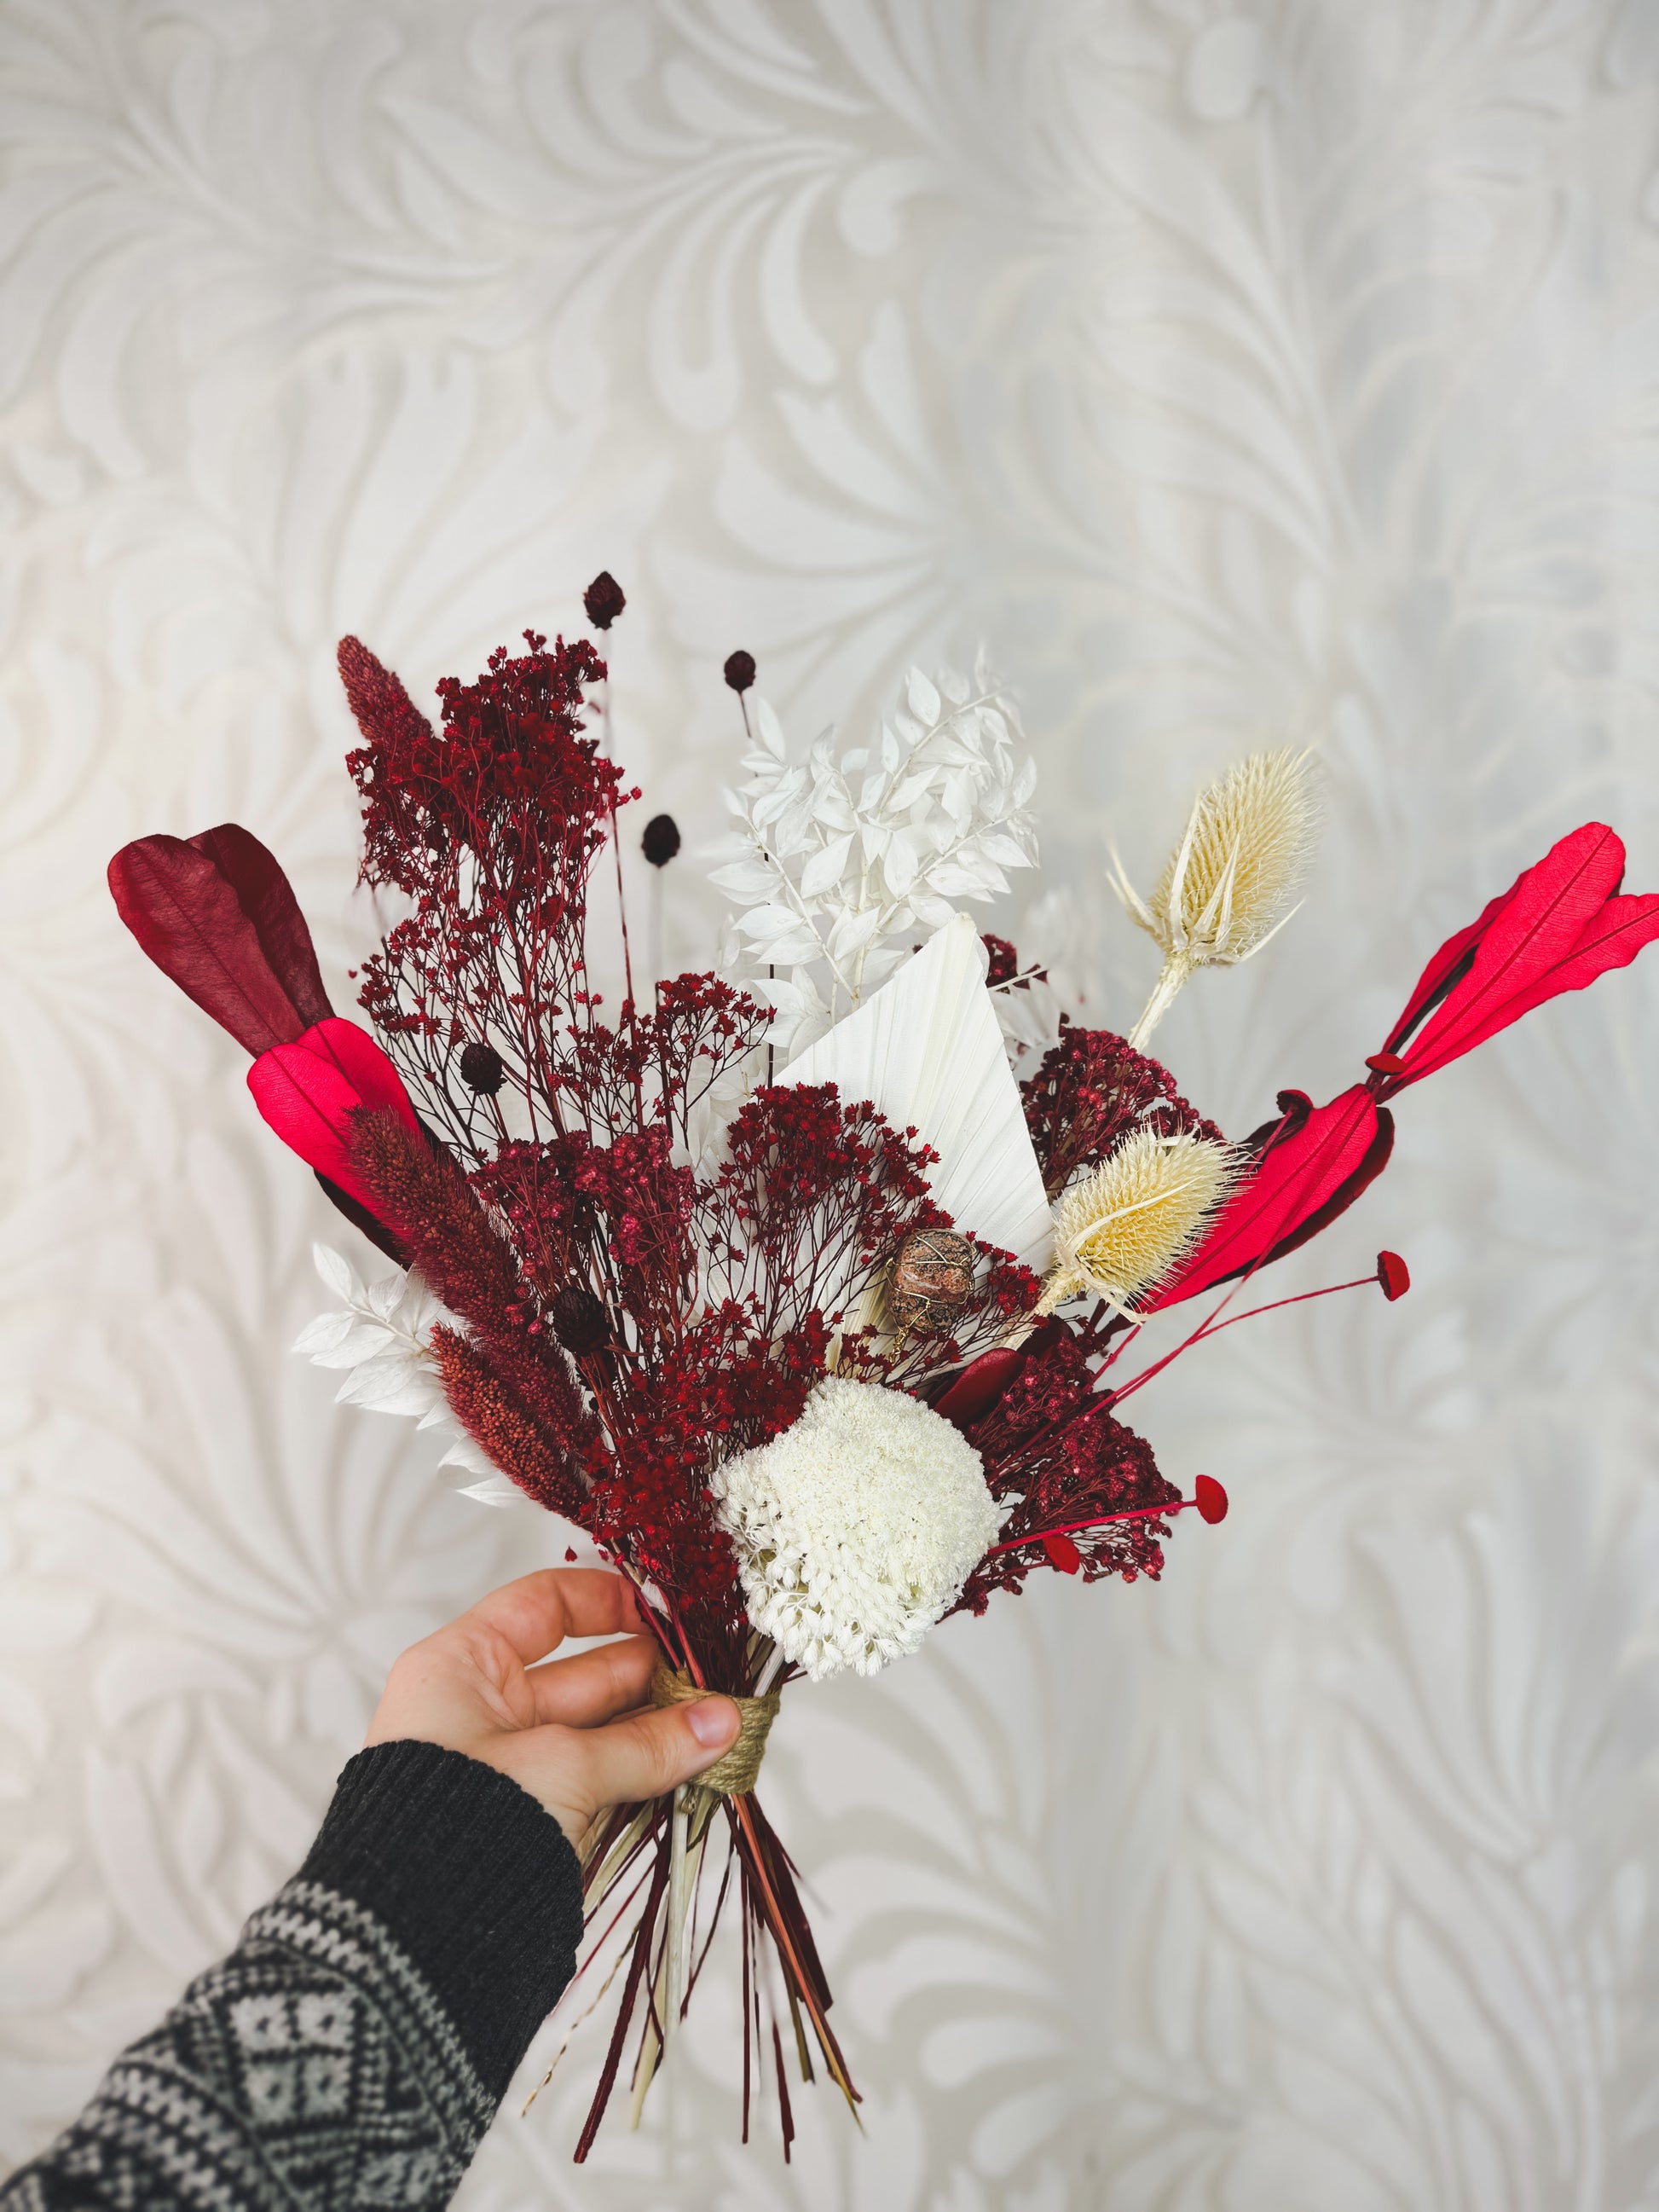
1284	371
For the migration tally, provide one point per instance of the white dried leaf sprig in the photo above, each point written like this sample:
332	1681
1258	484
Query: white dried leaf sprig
383	1335
1224	888
837	863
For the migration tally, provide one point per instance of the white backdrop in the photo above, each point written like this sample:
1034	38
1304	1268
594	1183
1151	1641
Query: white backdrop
1284	371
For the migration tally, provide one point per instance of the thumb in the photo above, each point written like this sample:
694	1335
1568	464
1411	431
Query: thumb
648	1753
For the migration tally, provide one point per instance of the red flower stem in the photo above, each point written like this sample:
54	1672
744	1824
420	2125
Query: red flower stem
1071	1528
1211	1326
741	1813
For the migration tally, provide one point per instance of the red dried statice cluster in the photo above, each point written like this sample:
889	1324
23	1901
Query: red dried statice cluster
1089	1091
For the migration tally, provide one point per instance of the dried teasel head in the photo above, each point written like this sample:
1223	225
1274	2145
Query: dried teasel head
930	1279
1120	1229
1224	888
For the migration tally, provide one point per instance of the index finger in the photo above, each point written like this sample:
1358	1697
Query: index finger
538	1611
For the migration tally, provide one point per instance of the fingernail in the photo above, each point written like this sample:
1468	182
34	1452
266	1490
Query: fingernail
712	1721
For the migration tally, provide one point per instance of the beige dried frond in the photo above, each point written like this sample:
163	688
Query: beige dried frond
1121	1229
1224	890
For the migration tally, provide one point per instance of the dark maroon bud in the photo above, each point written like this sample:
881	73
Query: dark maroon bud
482	1068
604	600
661	839
739	671
578	1319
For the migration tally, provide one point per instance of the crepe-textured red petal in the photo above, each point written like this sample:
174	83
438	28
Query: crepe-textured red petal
266	897
1539	925
1295	1177
308	1092
188	919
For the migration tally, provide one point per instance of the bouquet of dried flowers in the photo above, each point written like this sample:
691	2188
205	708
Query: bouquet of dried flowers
779	1281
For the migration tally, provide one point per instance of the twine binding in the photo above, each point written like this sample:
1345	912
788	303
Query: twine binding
734	1772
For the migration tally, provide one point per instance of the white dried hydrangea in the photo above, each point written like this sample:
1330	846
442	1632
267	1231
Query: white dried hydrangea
856	1528
839	865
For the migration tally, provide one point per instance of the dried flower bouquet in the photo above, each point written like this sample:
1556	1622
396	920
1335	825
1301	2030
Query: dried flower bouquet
778	1282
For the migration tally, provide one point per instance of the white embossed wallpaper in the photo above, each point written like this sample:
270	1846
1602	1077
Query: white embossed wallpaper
1289	370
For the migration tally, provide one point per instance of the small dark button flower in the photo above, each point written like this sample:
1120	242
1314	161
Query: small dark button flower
482	1068
604	600
739	671
661	839
578	1319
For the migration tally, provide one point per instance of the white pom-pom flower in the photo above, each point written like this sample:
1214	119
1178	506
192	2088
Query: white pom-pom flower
856	1528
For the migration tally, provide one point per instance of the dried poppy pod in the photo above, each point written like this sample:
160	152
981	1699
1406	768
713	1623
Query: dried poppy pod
930	1277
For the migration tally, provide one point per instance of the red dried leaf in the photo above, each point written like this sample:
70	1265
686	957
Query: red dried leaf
266	897
188	919
1297	1176
308	1091
1558	927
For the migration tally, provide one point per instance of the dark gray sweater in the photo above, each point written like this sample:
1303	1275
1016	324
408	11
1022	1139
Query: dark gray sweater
353	2048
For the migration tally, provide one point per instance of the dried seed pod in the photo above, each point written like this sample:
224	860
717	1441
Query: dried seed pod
578	1319
930	1277
661	839
604	600
739	671
482	1070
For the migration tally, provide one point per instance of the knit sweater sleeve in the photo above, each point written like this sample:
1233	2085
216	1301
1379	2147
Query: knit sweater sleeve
353	2048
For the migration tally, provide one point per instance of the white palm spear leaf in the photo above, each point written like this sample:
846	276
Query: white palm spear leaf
1223	892
927	1049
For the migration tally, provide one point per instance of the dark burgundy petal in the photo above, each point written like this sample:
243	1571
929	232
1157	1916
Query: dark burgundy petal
189	919
266	897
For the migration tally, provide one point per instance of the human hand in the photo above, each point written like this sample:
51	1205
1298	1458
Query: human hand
577	1734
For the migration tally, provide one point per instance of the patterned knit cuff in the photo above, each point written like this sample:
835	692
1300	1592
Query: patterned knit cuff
471	1876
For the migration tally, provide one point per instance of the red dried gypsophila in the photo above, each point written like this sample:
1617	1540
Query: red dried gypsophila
490	826
812	1198
1053	1448
1087	1093
723	1389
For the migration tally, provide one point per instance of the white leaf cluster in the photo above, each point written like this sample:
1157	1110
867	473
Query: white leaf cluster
382	1335
856	1528
838	864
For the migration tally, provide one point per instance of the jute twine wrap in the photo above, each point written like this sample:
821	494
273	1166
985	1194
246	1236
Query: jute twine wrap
733	1773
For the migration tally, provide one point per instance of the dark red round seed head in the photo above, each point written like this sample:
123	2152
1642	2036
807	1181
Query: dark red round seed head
1394	1274
604	600
660	839
482	1068
578	1319
739	671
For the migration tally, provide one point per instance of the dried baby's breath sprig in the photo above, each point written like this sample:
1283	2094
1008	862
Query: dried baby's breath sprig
1223	892
1120	1229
